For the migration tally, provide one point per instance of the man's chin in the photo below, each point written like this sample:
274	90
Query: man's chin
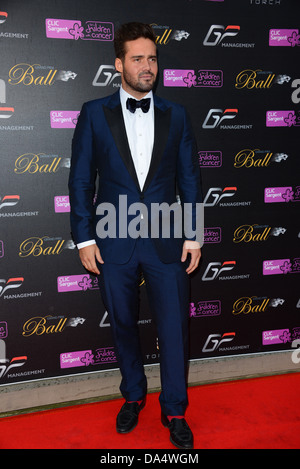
145	86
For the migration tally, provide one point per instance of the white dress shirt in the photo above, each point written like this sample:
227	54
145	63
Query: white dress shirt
140	133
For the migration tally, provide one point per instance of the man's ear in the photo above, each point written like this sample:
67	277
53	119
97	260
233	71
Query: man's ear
119	65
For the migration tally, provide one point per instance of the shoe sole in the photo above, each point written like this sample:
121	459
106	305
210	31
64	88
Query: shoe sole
179	446
121	432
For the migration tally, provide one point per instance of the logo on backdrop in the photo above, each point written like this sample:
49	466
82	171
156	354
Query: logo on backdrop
256	233
39	246
85	358
254	304
11	201
3	330
282	194
215	195
62	204
214	271
190	78
40	163
265	2
212	235
214	341
3	17
164	34
64	119
74	29
280	336
210	159
218	35
215	117
203	309
106	75
15	35
41	325
284	37
281	266
5	112
83	282
35	75
6	364
283	118
104	322
255	158
259	79
10	285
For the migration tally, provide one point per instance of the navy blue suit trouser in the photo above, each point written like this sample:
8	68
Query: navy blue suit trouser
168	292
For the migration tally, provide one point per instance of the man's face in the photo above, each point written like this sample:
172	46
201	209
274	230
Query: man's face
139	67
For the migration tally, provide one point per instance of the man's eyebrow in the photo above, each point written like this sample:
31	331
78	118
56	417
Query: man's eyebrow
141	56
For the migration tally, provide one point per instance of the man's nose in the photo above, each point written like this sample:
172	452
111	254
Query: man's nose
147	64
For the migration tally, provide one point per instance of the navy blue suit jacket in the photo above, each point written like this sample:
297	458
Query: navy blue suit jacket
100	146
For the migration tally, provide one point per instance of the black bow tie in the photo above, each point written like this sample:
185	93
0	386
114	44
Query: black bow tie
133	104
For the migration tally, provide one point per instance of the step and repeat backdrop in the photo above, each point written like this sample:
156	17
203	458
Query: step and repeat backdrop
235	66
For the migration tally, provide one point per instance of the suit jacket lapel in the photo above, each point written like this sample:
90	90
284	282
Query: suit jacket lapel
114	117
162	118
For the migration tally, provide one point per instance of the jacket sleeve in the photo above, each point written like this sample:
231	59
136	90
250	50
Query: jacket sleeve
82	180
189	183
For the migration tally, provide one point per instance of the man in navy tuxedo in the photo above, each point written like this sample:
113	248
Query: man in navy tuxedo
144	151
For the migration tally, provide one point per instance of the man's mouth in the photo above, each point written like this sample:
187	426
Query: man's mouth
146	76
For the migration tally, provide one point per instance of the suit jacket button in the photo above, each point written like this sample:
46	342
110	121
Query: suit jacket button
141	197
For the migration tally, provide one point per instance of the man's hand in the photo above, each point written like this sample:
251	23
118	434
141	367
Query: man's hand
88	256
192	248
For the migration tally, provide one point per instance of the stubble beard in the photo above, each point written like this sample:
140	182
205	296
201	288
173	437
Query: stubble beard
138	85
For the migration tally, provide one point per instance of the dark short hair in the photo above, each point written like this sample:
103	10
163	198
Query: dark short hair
131	32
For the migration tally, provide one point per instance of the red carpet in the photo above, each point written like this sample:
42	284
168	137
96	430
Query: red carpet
261	413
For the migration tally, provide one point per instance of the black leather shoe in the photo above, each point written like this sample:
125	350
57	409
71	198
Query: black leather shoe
127	418
180	433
